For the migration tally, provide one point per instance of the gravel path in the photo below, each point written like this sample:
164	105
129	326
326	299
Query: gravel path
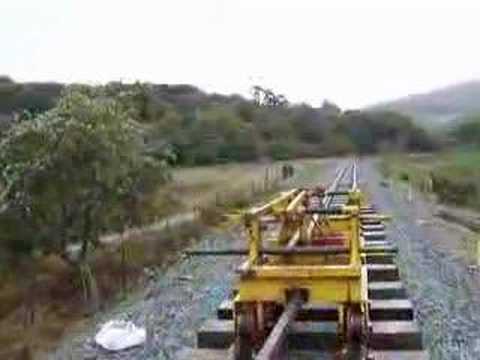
433	261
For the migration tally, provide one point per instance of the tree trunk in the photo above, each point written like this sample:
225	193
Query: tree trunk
87	232
123	251
90	288
29	300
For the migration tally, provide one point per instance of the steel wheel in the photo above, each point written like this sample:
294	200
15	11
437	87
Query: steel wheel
243	344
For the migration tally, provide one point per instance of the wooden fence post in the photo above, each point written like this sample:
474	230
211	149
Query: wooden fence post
477	243
265	184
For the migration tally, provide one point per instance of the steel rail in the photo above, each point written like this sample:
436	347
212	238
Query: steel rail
328	196
332	190
354	176
333	186
276	345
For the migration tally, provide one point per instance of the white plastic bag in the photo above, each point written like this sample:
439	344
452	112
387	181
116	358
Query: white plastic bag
118	335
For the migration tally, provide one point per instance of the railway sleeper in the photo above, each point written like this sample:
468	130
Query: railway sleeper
225	354
219	334
374	235
379	246
370	221
320	335
376	257
384	290
382	272
380	309
372	227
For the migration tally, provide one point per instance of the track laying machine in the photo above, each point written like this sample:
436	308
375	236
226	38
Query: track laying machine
319	277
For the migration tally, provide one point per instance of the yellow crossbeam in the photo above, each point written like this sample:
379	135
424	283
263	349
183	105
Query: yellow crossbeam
305	271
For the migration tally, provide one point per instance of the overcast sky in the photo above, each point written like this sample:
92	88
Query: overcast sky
351	52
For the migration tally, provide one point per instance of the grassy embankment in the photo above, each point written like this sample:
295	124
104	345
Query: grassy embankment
454	177
451	181
29	326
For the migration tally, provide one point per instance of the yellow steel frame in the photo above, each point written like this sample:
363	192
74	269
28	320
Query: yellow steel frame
336	279
324	282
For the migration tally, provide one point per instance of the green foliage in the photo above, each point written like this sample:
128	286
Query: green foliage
74	172
93	161
34	97
280	151
376	131
404	176
4	79
457	184
182	124
219	135
467	132
456	178
453	176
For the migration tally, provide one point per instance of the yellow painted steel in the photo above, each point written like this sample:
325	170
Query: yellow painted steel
276	205
339	279
252	221
320	290
332	278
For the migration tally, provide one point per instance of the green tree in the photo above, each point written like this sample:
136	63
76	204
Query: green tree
74	171
467	132
219	135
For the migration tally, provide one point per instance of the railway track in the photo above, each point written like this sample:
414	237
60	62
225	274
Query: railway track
320	282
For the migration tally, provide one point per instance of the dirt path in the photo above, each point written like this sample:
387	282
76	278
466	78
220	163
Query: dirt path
434	263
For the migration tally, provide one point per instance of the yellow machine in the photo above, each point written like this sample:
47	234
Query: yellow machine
302	249
314	257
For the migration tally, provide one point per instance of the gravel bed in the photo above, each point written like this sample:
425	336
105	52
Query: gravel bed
445	292
174	305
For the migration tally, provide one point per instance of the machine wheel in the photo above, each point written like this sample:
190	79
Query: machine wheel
243	344
356	325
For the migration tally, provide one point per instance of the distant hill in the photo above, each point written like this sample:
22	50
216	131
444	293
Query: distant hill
440	106
34	97
38	97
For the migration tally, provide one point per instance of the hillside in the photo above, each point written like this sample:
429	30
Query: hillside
439	106
199	128
35	97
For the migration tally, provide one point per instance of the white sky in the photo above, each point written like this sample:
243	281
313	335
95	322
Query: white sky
352	52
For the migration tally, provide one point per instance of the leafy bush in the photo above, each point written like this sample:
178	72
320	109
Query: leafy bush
74	172
280	151
457	184
467	132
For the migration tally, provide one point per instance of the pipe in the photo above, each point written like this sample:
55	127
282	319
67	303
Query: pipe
304	250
